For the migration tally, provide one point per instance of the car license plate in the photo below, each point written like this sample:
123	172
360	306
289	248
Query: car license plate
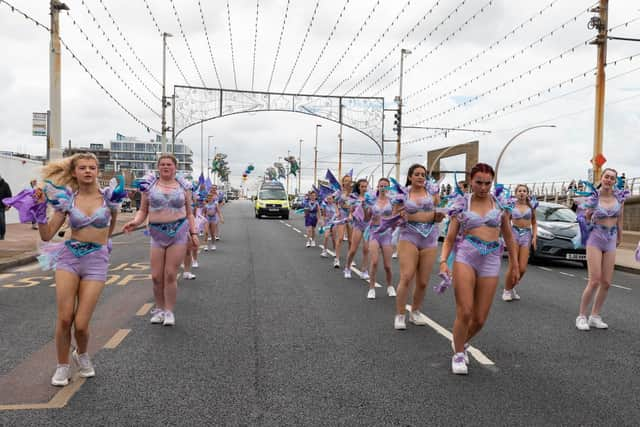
273	209
579	257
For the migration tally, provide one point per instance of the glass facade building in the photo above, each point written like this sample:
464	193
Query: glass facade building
138	155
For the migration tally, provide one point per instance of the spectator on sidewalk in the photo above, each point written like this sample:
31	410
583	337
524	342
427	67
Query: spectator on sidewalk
5	191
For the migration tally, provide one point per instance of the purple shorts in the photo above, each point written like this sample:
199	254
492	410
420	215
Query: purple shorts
522	236
169	234
359	225
92	266
383	239
310	220
212	219
423	235
483	257
603	237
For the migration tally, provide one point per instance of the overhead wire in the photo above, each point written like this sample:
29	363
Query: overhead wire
304	40
186	42
282	28
405	37
206	34
233	55
110	67
113	46
324	47
486	50
375	44
133	52
255	44
175	61
426	55
349	46
86	70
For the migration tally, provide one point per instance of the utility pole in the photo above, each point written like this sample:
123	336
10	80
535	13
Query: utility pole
202	148
164	93
54	140
208	157
315	158
340	144
300	166
398	115
601	24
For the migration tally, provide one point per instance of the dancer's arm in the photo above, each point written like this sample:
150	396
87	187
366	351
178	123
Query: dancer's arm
141	215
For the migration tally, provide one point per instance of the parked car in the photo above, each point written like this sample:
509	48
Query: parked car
298	202
558	234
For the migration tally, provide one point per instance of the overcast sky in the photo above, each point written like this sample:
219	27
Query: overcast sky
449	77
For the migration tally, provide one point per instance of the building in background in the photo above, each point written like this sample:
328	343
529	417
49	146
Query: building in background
103	154
138	156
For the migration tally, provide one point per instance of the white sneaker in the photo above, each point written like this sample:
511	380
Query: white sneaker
61	377
581	323
399	322
206	248
466	351
347	273
188	275
371	294
195	264
417	318
217	237
84	364
345	238
458	366
515	295
507	295
364	275
391	291
595	321
157	316
324	254
169	319
308	245
213	247
313	243
336	263
394	255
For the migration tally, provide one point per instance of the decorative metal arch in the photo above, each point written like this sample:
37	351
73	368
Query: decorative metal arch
194	105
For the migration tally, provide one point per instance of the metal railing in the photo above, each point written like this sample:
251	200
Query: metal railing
560	191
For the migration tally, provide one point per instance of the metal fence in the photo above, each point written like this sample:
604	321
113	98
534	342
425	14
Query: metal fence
561	191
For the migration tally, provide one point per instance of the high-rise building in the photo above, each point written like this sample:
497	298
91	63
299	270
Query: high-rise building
103	155
138	156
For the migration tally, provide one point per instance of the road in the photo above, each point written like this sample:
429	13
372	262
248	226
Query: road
270	334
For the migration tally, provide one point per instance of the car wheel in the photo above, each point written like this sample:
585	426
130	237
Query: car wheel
584	264
286	216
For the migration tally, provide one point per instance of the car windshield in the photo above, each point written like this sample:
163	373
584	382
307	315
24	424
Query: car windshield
273	194
555	214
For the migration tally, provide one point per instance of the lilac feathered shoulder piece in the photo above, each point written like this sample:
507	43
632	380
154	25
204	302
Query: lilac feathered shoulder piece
456	203
115	192
621	194
184	183
59	197
145	183
503	198
28	208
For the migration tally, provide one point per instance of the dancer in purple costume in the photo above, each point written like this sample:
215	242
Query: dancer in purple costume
81	262
380	210
418	242
359	218
328	212
167	202
525	230
342	199
214	217
602	211
476	222
311	210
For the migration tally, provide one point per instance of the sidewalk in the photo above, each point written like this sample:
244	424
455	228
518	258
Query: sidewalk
21	242
20	246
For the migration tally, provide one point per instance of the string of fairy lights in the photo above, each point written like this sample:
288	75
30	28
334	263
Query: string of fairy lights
365	63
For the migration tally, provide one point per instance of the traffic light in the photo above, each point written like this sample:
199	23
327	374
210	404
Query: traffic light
397	123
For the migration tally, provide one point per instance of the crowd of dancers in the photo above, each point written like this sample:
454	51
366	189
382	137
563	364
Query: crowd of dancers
480	224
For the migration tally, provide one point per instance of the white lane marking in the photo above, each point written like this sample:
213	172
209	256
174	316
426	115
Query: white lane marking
585	278
545	269
26	268
621	287
477	354
281	221
566	274
288	225
296	230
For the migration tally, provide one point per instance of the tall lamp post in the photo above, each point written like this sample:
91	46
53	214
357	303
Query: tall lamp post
54	131
315	158
299	165
163	140
208	157
511	140
403	52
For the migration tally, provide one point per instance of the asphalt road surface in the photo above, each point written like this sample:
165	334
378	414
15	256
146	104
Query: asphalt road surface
270	334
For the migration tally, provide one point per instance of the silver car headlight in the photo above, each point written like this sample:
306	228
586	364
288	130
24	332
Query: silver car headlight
545	234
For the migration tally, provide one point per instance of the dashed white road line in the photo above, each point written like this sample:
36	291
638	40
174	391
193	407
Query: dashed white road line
621	287
288	225
545	269
566	274
296	230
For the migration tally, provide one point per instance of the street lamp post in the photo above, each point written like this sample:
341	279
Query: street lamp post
54	131
209	158
403	52
300	165
511	140
315	158
163	140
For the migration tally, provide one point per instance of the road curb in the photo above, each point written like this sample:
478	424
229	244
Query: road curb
627	269
28	259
